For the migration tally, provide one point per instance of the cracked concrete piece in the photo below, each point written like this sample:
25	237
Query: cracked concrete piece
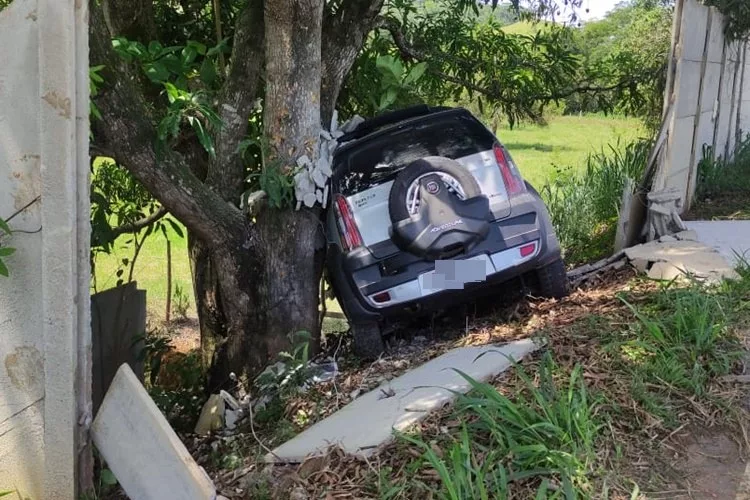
641	265
667	239
369	421
729	238
144	453
689	235
690	257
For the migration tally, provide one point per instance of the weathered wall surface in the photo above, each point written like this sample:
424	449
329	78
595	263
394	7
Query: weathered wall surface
44	326
707	99
21	334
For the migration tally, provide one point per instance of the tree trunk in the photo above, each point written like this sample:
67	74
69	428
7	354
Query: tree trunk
255	281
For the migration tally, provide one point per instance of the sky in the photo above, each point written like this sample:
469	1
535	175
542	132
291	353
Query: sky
597	8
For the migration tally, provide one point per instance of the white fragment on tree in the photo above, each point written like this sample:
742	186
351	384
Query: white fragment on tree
309	199
319	177
334	121
313	175
352	124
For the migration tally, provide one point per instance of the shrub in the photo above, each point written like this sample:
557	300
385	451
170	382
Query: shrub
584	207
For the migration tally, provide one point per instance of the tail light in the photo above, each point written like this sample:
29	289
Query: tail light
511	176
347	226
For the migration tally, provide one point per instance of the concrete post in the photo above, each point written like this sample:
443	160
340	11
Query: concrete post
45	346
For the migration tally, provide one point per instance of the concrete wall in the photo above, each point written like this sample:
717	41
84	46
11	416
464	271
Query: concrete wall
44	324
706	102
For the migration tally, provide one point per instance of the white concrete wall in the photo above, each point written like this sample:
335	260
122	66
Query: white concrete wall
44	322
709	106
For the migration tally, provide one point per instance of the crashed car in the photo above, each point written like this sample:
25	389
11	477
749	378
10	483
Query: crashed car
429	210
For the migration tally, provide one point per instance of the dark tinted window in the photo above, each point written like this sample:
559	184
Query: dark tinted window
380	159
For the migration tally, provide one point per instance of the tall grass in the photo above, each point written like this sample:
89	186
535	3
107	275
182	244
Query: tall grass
545	435
584	207
719	177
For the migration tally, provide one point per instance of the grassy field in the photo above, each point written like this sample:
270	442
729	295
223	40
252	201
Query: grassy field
150	270
565	142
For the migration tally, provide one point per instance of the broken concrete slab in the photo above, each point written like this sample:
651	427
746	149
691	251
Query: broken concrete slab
144	453
688	235
688	257
369	421
728	237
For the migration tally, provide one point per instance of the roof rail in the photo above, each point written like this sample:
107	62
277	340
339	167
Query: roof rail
392	117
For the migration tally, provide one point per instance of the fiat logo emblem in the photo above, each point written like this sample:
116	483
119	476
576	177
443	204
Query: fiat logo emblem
433	187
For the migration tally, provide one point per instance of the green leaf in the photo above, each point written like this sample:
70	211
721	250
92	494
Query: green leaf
388	98
154	48
7	251
390	64
3	269
208	72
189	54
172	92
199	47
176	228
415	73
157	72
4	226
203	136
108	478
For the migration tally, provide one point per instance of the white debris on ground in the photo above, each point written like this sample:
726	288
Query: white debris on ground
671	256
222	412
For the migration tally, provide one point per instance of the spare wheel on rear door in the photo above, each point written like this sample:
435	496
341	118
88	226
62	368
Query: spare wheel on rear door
403	201
437	209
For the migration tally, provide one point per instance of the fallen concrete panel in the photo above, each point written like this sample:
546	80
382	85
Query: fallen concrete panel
682	257
727	237
369	421
141	449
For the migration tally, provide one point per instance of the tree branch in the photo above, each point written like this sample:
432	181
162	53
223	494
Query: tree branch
127	130
140	224
226	173
410	53
345	29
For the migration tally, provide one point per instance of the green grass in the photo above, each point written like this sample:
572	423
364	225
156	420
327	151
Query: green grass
150	269
565	142
509	446
544	432
723	190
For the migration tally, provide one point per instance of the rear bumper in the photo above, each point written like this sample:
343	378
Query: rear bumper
359	276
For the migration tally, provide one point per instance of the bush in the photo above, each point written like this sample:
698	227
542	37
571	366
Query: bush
584	207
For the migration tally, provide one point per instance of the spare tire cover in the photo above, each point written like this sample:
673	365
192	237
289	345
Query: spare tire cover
397	202
437	209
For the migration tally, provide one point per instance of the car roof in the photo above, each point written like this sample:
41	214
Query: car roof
387	122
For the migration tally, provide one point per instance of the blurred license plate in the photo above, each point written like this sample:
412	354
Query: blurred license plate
454	274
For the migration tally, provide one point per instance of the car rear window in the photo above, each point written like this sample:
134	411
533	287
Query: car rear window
381	158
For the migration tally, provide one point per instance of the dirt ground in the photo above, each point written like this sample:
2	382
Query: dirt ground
695	462
713	467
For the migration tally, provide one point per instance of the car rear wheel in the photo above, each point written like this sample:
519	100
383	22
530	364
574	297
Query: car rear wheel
553	280
368	340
